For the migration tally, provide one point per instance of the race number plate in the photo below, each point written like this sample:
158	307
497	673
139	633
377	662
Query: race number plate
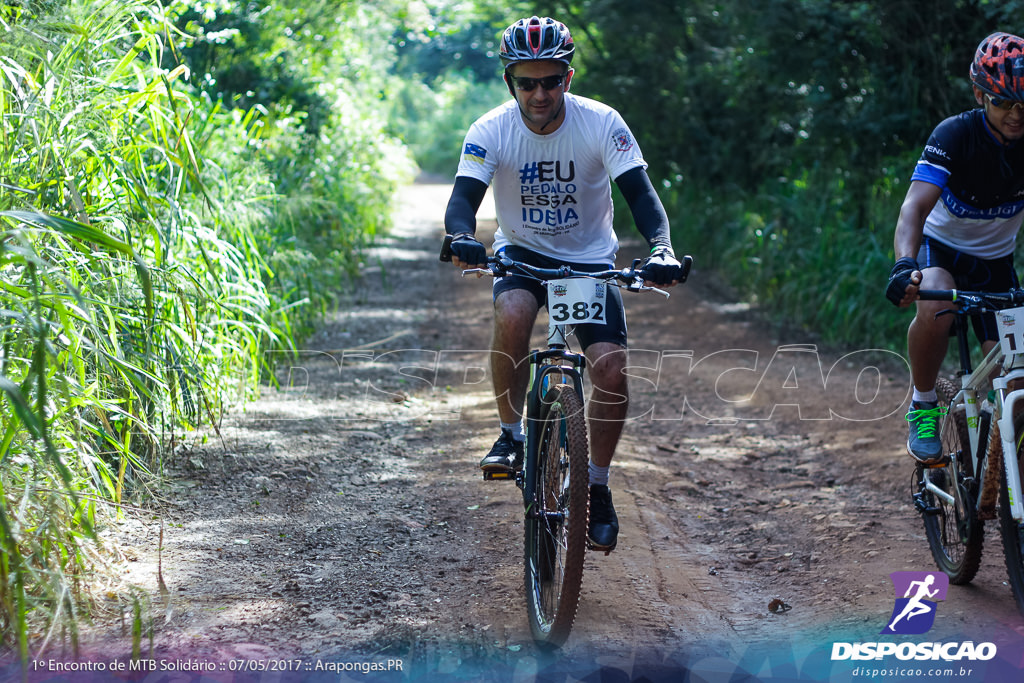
577	300
1011	330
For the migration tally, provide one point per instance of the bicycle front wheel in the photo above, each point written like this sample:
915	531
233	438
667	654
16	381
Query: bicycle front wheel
955	534
557	517
1012	530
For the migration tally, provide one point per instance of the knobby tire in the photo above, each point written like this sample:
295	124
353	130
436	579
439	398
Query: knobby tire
955	534
556	524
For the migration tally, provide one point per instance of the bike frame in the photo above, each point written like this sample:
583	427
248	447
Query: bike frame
556	360
974	384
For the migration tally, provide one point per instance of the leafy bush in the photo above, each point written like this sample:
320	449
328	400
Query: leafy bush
446	74
800	240
155	242
728	97
433	118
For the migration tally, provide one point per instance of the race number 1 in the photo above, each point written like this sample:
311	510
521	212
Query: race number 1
576	300
1011	330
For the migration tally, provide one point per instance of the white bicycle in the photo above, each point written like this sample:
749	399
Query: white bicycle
982	445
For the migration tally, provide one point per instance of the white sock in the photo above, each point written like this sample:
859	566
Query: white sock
925	396
598	475
517	430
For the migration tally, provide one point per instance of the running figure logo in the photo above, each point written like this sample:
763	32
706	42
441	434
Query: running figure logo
914	612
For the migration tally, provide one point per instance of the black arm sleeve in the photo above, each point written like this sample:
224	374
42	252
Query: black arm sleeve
648	212
460	216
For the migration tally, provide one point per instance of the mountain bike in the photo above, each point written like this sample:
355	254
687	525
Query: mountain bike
555	476
982	445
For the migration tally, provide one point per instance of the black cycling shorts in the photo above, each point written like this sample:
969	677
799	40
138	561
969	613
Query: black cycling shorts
614	328
971	273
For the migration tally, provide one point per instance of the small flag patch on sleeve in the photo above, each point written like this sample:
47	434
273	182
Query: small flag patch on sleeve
474	153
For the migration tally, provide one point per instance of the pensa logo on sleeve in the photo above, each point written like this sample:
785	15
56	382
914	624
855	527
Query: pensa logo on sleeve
623	140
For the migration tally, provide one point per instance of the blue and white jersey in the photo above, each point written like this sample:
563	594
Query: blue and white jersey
552	192
982	181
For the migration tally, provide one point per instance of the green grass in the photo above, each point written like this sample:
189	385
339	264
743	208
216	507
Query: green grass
154	245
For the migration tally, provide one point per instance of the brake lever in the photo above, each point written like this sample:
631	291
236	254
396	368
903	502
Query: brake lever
645	288
477	271
497	266
636	284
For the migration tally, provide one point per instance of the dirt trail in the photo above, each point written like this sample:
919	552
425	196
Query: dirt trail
343	518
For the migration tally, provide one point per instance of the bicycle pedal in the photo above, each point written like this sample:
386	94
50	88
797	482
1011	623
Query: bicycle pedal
499	476
936	465
593	548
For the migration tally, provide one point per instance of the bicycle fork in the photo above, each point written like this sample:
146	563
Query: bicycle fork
543	375
1008	438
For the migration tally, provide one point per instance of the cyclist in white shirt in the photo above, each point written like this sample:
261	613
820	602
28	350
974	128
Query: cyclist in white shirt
549	156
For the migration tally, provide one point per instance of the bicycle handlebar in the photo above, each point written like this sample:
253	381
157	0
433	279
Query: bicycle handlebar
499	266
975	302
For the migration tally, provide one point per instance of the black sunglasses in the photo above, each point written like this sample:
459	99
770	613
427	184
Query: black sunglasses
1004	103
530	84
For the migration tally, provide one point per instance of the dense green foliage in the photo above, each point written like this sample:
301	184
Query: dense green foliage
447	75
159	233
185	183
785	132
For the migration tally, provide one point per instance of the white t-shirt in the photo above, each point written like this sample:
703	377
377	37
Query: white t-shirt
552	192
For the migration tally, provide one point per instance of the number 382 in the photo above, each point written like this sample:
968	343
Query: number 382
579	311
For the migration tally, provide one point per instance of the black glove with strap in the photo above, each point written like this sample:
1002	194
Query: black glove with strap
467	249
662	267
899	279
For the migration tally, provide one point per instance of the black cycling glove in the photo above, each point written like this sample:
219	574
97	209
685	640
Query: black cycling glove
467	249
662	267
899	279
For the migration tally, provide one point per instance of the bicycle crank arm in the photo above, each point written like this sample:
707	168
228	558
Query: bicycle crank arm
939	492
927	484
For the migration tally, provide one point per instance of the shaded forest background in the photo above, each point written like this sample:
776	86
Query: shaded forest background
187	185
784	134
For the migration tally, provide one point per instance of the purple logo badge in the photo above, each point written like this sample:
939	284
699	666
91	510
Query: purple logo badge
917	594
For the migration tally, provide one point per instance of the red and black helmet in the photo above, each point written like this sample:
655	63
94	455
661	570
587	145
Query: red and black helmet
998	66
534	39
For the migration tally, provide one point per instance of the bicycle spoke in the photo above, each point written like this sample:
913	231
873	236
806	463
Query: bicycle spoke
556	527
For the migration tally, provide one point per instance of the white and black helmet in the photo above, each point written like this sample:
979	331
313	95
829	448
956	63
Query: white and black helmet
535	39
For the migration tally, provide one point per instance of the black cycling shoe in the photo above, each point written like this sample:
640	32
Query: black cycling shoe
604	524
506	455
